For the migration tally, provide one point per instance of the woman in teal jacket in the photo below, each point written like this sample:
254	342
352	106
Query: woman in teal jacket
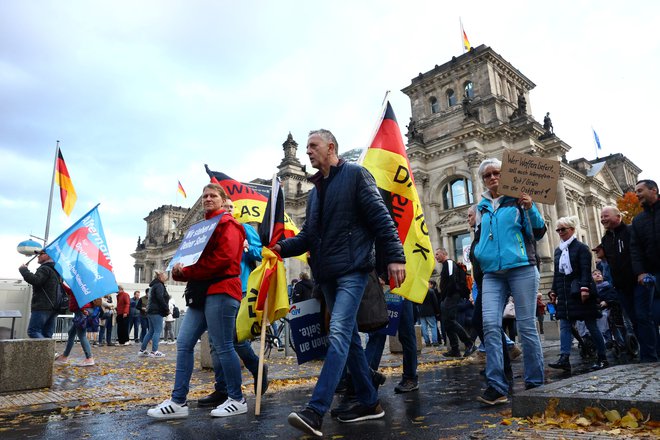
506	252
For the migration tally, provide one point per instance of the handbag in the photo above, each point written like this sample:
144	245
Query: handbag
372	314
80	321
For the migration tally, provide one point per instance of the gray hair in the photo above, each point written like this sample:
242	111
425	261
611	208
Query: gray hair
327	136
490	162
614	210
570	222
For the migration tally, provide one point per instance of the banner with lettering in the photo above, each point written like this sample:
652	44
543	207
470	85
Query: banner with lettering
387	160
82	258
394	307
308	334
531	175
194	242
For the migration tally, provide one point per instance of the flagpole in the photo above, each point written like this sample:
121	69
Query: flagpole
383	107
74	224
460	20
50	197
262	347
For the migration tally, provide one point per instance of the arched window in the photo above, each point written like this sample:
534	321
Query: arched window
457	193
460	241
435	105
469	89
451	98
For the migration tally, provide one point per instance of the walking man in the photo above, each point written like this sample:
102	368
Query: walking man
44	296
345	214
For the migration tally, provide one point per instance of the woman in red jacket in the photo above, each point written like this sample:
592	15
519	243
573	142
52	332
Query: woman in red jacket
217	272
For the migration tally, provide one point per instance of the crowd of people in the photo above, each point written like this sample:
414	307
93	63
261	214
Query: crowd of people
495	303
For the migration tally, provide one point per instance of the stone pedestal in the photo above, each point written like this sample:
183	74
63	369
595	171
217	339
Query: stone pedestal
26	364
205	352
395	345
551	330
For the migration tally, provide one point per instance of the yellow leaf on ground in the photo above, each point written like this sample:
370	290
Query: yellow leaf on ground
628	421
594	413
613	415
506	422
582	421
636	413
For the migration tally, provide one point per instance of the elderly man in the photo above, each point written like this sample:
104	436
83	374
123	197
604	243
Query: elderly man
617	246
645	256
345	214
44	283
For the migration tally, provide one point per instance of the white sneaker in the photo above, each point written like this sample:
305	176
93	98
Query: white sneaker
156	354
231	407
86	362
168	410
143	353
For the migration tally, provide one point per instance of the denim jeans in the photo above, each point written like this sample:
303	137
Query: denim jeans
219	317
522	283
106	329
42	324
342	298
82	336
144	327
135	326
153	334
639	308
376	344
566	337
247	355
429	329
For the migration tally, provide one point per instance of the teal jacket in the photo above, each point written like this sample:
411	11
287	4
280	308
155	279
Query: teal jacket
508	234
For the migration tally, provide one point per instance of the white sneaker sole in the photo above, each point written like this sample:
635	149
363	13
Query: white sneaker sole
223	413
159	415
300	424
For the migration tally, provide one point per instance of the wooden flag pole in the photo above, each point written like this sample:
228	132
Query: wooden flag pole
262	346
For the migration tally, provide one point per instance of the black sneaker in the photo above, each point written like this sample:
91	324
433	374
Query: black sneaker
347	404
378	378
362	412
406	386
264	381
453	353
214	399
492	397
307	420
471	349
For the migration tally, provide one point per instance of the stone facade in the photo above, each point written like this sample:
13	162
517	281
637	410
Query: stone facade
466	110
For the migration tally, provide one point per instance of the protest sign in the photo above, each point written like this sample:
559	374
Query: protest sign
310	339
535	176
394	307
194	242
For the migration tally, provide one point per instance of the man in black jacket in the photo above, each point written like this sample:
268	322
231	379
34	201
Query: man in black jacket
645	255
44	296
345	216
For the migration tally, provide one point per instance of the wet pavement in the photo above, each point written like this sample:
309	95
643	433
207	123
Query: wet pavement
110	400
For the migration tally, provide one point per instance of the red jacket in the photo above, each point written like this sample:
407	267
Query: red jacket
221	258
123	303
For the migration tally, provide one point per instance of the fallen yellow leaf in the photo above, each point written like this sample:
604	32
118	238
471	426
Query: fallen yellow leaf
613	415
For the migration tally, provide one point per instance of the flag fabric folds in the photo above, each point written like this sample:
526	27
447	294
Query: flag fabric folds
596	139
387	160
181	190
466	42
67	192
81	257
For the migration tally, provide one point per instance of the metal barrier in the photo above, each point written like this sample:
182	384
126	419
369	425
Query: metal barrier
64	323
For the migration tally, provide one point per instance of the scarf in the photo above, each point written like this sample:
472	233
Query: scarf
564	259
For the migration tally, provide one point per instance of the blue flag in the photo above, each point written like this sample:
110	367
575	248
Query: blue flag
596	139
81	257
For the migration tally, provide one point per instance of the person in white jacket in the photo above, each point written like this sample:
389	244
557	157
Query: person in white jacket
169	323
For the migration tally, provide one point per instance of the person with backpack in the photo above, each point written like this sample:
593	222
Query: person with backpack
46	296
453	288
78	328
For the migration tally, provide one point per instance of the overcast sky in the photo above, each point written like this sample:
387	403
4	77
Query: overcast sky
143	93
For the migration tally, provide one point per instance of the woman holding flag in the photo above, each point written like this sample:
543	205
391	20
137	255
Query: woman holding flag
216	275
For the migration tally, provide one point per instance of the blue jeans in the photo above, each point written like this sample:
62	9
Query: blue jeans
376	344
429	325
247	355
219	317
153	334
639	308
342	298
144	327
522	283
566	337
82	336
42	324
135	325
106	329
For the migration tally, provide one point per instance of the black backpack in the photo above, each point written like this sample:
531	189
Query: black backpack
61	304
175	312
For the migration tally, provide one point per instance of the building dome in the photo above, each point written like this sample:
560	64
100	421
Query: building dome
28	247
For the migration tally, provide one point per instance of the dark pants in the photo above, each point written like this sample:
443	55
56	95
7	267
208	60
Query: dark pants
638	304
144	327
106	329
134	324
454	330
122	329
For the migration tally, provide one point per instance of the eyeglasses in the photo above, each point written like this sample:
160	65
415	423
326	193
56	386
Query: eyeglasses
560	230
491	174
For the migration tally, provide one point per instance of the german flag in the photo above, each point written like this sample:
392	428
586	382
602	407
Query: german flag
67	192
387	160
182	191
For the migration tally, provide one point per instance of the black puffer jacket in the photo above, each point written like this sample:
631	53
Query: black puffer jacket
645	240
616	244
44	286
158	299
345	215
567	287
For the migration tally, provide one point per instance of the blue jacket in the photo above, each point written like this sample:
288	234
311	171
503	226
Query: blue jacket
507	234
345	215
251	256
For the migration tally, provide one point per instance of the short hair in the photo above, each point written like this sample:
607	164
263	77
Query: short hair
490	162
472	208
327	136
304	276
650	184
571	222
215	187
443	250
614	209
596	270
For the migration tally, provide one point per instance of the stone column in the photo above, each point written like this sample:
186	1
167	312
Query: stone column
474	160
561	202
